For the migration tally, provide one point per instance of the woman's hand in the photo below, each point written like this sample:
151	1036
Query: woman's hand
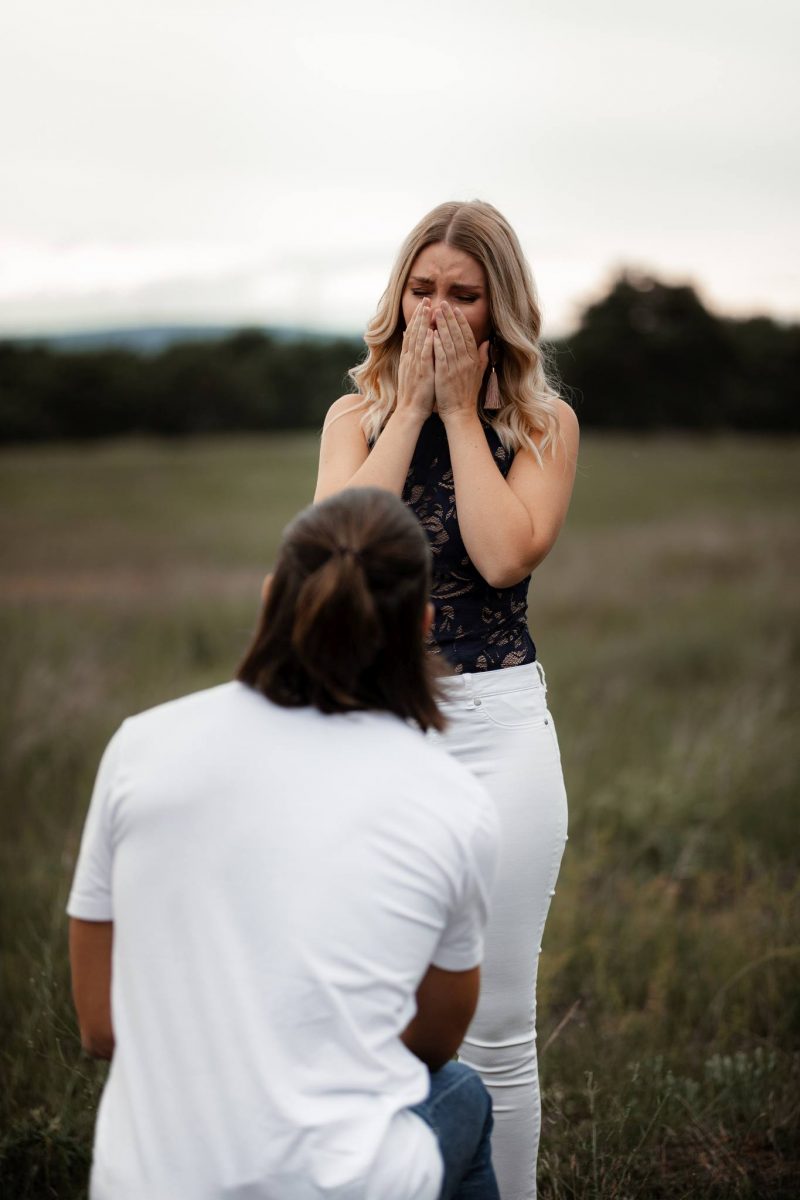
415	373
460	364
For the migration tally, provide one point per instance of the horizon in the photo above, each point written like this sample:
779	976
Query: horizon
232	324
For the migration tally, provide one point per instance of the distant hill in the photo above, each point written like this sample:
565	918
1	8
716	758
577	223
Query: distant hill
152	339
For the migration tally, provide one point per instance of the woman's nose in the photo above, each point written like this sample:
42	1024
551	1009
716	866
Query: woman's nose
436	302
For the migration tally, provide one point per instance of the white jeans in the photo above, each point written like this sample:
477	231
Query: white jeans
501	729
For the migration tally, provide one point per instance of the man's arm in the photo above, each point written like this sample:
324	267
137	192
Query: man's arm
90	959
446	1003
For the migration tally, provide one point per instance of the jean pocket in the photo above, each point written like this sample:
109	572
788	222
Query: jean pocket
525	709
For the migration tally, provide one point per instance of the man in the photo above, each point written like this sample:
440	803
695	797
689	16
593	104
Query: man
277	913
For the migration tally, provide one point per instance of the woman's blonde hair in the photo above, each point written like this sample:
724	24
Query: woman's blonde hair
528	402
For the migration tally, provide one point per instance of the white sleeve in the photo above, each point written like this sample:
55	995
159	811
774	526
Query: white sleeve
90	897
460	947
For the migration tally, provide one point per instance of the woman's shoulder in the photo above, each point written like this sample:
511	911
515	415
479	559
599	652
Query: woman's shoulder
342	425
569	434
567	417
568	429
351	405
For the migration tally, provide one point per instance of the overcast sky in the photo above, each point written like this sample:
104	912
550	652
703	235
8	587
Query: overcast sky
245	161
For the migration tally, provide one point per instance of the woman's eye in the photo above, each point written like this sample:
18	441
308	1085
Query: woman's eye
416	292
466	299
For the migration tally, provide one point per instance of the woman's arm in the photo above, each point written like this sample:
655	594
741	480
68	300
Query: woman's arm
345	459
508	525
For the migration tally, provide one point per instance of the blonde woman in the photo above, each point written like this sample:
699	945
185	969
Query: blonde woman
455	414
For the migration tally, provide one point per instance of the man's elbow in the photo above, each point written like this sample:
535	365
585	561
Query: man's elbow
435	1062
433	1052
97	1042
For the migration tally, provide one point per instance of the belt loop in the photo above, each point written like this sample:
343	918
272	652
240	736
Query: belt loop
540	669
468	684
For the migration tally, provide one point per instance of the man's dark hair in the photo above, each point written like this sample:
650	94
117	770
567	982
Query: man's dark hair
341	627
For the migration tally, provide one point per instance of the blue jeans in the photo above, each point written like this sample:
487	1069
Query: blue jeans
459	1112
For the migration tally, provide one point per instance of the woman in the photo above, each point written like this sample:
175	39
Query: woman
269	1032
456	416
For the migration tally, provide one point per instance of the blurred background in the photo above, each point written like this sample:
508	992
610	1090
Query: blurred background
200	206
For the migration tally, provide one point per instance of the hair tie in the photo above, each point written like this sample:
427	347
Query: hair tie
344	551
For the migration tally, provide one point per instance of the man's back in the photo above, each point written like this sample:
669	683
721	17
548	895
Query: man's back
281	880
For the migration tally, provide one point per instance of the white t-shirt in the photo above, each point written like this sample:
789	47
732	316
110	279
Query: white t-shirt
279	881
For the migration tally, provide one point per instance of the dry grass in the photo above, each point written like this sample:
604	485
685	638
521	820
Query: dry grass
667	622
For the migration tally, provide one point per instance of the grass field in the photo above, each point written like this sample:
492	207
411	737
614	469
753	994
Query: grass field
667	619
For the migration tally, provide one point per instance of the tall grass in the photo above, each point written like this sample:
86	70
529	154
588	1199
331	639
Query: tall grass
667	620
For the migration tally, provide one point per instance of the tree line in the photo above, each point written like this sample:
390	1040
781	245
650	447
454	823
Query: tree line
646	356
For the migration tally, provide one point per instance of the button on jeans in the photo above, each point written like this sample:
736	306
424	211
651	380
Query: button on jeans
459	1112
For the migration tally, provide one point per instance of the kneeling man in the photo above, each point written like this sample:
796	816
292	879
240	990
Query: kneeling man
278	908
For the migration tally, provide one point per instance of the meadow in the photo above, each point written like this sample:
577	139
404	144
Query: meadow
667	620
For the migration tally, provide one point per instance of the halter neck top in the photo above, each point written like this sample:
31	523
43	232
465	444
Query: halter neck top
476	627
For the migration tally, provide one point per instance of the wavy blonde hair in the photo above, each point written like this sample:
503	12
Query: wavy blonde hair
528	401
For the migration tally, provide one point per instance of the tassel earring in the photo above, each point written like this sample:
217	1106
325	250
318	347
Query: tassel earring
492	398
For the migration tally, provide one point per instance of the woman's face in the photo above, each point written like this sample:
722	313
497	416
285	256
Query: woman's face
444	273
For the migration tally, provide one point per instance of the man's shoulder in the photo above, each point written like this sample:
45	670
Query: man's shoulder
449	782
188	709
396	751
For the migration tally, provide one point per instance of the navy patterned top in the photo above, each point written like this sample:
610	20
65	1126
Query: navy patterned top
476	627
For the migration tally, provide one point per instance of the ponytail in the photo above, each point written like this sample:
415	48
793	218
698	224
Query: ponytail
335	607
341	628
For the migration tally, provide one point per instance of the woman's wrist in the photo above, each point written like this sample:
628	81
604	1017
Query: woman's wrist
407	416
461	419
